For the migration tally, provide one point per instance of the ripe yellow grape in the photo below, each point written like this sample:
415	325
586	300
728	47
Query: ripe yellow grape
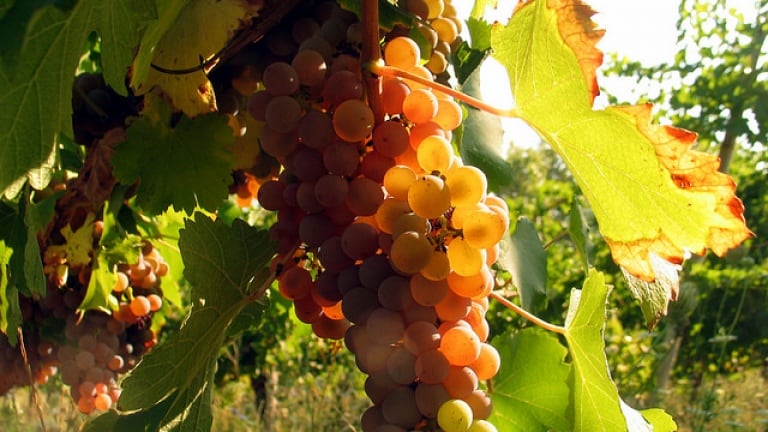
410	252
353	120
460	213
402	52
454	415
397	180
484	228
420	106
465	259
438	267
435	154
449	114
437	63
429	197
467	185
494	201
435	8
446	29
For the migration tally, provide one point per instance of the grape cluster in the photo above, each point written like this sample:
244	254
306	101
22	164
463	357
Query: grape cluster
89	349
439	27
385	238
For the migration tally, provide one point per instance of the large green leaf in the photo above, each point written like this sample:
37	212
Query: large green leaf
650	193
531	392
185	166
35	84
220	263
595	397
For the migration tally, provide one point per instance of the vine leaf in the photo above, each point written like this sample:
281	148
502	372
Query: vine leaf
527	398
650	193
655	296
187	34
173	384
595	399
478	133
35	70
185	166
526	260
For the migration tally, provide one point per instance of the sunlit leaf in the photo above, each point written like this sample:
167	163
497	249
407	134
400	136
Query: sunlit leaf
187	35
182	166
595	399
528	398
649	191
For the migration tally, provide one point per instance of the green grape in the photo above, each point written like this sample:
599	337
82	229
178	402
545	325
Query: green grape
467	185
482	426
435	154
410	252
454	415
410	222
429	197
465	260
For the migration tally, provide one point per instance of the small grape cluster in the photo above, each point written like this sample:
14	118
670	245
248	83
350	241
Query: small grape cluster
440	27
89	349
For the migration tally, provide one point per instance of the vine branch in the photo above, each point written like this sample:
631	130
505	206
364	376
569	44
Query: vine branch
527	315
371	54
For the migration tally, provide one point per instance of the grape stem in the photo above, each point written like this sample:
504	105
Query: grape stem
379	68
527	315
371	54
28	369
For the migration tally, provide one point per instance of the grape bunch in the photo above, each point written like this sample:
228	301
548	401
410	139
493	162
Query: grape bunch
385	238
439	26
89	349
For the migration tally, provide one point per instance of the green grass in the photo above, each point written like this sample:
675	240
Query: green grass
327	396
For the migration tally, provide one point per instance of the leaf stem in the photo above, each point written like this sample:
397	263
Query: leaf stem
382	70
561	235
527	315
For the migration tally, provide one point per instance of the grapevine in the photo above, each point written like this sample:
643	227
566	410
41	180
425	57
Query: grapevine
322	150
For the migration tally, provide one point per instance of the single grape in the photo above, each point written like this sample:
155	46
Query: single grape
454	415
353	120
140	306
429	197
402	52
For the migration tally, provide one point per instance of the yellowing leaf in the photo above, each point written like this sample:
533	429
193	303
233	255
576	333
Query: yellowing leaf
650	193
79	243
200	30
